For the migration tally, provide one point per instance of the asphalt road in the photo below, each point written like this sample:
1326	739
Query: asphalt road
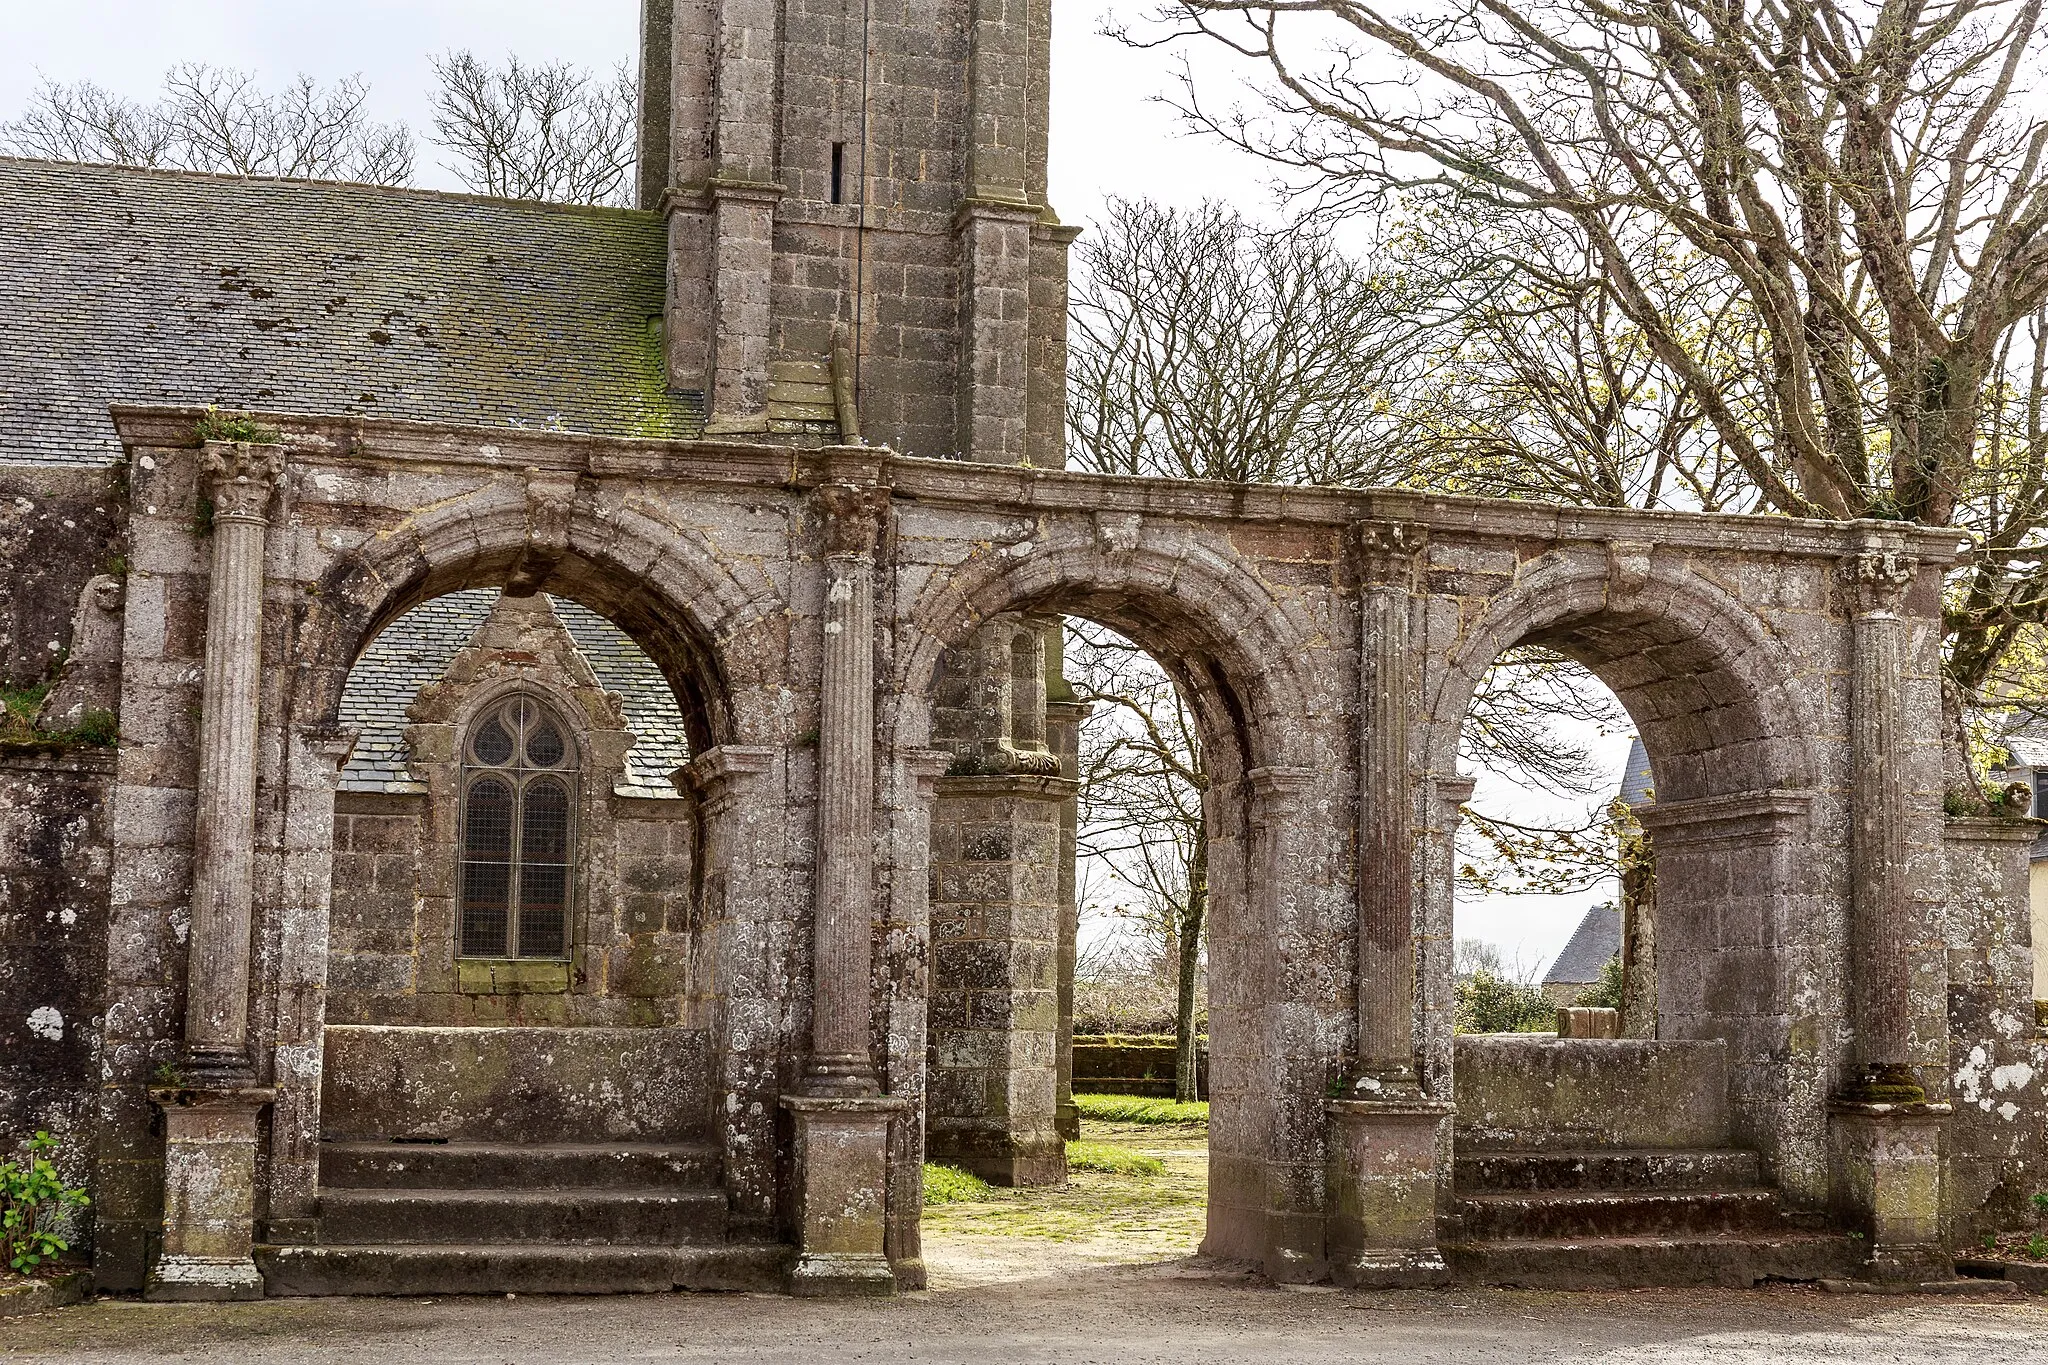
1118	1316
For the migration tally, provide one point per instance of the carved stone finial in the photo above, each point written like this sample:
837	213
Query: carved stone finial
1876	579
91	680
240	477
851	516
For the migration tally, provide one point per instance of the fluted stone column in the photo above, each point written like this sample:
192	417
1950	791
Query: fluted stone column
1884	1135
1386	1136
841	1120
1881	986
239	479
1386	880
211	1118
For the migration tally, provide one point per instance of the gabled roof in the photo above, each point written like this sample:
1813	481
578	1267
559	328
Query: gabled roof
125	285
1591	947
415	649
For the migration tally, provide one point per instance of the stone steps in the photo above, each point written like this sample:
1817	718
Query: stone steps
492	1165
392	1269
1738	1260
629	1217
1550	1214
1607	1169
1600	1218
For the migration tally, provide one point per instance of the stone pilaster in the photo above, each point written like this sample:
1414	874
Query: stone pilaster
843	922
210	1139
1063	720
742	302
1880	973
995	330
240	479
999	99
1386	876
993	1106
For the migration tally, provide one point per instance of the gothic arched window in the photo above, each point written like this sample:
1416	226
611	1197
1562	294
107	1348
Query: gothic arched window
518	799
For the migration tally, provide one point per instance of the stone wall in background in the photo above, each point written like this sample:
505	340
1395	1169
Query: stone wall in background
58	527
55	864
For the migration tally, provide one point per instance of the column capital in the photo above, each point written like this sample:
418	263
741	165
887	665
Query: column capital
851	517
1386	552
1876	579
241	476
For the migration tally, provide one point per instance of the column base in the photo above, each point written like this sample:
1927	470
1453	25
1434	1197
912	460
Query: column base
842	1194
1425	1269
1067	1121
1000	1158
838	1275
203	1279
1887	1160
210	1141
1383	1192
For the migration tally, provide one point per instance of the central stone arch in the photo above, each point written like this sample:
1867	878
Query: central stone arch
1252	665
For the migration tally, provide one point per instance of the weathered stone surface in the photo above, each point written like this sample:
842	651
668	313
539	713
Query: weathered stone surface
588	1084
1531	1091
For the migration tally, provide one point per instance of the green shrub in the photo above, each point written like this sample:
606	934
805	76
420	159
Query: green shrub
951	1185
2037	1247
1140	1109
1494	1004
235	426
1604	994
1115	1160
31	1195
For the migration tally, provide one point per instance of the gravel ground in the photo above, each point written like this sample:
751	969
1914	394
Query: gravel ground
1097	1272
1179	1313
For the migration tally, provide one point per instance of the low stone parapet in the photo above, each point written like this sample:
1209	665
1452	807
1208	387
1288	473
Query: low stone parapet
1535	1091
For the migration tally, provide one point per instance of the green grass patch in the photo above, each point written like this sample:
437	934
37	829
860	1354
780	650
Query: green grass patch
1111	1159
951	1185
1140	1109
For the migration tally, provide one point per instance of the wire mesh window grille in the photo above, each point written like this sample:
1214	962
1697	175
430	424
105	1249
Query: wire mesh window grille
517	833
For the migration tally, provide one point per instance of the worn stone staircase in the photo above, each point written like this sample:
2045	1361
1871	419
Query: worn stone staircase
1615	1217
462	1217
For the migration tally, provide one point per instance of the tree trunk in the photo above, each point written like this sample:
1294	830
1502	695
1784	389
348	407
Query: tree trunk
1186	1056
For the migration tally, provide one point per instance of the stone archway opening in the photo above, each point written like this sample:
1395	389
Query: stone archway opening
1099	910
1695	1088
1229	700
519	1054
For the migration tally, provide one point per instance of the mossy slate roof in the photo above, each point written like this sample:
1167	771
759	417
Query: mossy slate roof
137	286
416	649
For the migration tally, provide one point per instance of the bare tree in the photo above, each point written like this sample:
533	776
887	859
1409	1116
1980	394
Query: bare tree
548	131
219	120
1203	348
1860	188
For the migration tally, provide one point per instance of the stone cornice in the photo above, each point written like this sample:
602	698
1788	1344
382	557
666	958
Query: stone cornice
1737	816
337	440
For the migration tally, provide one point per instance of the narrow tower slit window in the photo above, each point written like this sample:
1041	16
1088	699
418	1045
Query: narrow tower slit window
518	832
838	172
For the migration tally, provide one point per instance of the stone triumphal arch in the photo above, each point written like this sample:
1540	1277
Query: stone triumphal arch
820	614
740	514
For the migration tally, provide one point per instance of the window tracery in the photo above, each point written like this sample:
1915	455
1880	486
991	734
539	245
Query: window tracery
517	832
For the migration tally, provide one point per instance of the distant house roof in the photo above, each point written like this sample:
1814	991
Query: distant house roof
140	286
1637	786
1591	947
415	649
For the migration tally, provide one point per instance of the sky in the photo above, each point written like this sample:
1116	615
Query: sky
1111	135
1108	135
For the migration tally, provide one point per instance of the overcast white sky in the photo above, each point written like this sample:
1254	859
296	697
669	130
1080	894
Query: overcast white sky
1107	137
1110	137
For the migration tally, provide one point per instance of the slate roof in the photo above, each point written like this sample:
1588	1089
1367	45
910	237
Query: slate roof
414	650
125	285
1637	785
1591	947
